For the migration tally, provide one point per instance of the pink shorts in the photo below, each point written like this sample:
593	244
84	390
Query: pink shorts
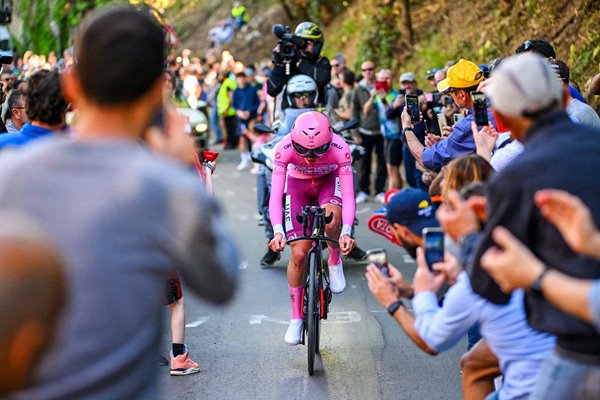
303	192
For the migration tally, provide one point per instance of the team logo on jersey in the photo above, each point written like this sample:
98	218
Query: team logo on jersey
346	168
336	202
337	146
287	146
278	156
347	156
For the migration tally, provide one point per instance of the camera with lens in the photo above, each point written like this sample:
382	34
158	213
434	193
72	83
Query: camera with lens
288	43
5	58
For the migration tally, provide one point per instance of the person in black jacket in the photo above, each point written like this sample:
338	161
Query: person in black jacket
529	100
308	62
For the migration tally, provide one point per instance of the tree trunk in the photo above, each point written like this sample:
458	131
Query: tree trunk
408	21
286	8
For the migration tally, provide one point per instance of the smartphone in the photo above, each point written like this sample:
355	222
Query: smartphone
158	119
479	108
458	117
379	258
412	104
442	122
382	85
436	99
433	245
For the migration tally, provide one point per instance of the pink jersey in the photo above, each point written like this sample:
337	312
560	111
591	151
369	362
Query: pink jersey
337	158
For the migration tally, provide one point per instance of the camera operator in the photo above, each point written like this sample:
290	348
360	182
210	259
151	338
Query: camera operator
299	54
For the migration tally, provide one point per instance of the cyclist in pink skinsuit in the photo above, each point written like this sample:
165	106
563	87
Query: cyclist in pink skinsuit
317	165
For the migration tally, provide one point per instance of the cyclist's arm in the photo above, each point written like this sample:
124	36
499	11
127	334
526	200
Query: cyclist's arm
276	199
348	202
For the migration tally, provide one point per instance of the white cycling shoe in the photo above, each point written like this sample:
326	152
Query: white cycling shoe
337	280
294	332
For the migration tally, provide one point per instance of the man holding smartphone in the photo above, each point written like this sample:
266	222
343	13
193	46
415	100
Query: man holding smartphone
462	79
434	328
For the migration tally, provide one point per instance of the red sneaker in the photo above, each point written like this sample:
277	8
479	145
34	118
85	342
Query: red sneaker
183	365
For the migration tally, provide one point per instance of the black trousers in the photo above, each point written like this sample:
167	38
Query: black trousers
231	131
370	143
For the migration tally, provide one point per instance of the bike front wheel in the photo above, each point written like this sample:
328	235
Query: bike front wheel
312	317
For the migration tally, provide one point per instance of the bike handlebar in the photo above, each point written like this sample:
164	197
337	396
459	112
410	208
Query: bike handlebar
312	238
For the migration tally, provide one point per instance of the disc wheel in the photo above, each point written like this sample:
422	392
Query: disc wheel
312	319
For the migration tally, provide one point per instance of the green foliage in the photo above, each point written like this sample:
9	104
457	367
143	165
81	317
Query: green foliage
380	40
581	59
37	15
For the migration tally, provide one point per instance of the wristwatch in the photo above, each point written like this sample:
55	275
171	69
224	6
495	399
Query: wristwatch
536	286
404	130
392	308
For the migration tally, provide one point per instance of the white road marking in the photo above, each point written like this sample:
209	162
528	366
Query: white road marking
197	322
228	193
362	210
340	317
378	311
243	265
408	259
258	319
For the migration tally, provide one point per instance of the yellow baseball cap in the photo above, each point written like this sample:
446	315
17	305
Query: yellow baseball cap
463	74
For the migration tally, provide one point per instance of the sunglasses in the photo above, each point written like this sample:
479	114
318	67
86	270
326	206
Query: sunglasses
528	44
367	69
334	65
310	153
304	95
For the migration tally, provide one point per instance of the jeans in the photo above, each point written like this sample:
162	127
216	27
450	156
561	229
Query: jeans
413	175
215	126
562	378
473	336
370	143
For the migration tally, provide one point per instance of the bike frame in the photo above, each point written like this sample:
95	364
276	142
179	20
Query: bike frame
313	294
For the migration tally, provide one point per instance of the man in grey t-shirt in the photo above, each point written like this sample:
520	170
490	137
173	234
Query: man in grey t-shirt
121	216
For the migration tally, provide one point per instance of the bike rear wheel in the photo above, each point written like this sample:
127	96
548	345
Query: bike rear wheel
312	317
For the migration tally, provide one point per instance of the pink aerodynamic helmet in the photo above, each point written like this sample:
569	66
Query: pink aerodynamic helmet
311	135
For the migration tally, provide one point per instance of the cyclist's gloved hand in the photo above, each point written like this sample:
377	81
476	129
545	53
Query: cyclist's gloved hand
346	244
278	242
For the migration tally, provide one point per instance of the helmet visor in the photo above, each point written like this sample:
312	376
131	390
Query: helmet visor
303	95
310	153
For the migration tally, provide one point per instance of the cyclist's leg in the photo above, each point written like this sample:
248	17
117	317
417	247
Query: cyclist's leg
331	199
298	195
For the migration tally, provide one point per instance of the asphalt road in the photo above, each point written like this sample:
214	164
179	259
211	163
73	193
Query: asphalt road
240	347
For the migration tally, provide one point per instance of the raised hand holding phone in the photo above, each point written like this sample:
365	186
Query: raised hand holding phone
412	105
379	258
433	244
479	108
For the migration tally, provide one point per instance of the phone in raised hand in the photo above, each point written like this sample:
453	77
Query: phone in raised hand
379	258
442	122
479	108
433	246
412	106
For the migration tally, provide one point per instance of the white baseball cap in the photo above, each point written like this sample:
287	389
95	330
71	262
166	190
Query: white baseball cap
408	77
523	86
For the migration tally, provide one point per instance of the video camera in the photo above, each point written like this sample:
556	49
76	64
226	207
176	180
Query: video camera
5	58
288	42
